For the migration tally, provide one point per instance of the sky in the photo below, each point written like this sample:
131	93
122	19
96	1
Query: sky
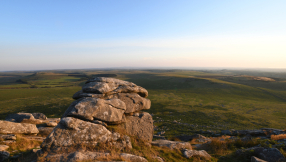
67	34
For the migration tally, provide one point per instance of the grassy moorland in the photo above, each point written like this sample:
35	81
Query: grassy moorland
183	102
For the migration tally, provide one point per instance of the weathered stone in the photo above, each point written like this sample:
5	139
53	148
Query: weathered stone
45	131
51	124
72	132
140	127
7	127
81	94
267	154
110	111
3	147
194	153
132	158
133	101
8	137
76	156
255	159
172	144
4	155
101	85
40	116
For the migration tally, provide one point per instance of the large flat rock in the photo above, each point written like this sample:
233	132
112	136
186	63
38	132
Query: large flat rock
110	111
7	127
140	126
76	133
102	85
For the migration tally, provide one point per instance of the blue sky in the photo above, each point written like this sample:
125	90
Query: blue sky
36	35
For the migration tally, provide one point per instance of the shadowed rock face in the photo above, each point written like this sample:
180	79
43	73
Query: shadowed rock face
110	111
7	127
19	117
109	86
140	126
34	118
72	132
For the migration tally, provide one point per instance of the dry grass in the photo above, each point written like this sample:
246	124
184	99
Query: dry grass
220	147
278	137
22	144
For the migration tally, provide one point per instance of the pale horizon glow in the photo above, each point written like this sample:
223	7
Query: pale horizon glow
230	49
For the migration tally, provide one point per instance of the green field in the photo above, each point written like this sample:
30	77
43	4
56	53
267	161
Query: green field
183	101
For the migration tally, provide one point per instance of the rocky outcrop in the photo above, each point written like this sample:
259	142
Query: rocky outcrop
7	127
194	153
172	144
100	103
72	132
139	125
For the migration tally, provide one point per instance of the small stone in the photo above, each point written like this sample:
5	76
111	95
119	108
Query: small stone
51	124
132	158
190	153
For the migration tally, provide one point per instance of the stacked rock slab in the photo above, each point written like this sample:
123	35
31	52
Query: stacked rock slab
101	102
